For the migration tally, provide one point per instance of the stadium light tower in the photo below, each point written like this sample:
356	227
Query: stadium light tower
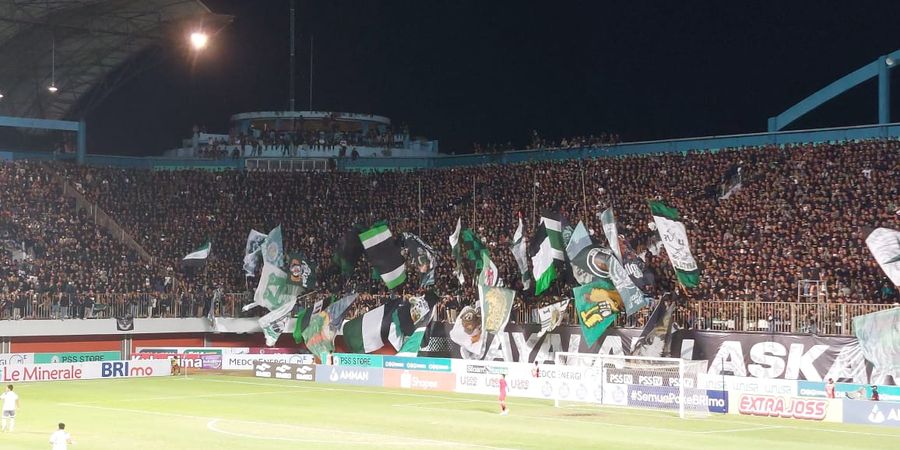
199	40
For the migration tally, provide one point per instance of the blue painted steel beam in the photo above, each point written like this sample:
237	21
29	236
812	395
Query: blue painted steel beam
867	72
884	88
44	124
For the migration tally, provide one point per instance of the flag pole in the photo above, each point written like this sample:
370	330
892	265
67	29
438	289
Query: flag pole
420	207
533	197
473	203
583	191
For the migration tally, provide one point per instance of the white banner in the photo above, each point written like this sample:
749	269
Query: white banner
85	371
16	359
245	362
549	381
750	385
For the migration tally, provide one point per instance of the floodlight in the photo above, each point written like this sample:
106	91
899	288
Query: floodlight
199	40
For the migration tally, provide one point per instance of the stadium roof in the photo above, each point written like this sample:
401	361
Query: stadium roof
97	44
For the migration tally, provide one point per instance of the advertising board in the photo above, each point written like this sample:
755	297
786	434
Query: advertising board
245	361
871	413
419	379
75	357
749	385
357	376
16	359
788	407
185	360
358	360
417	363
284	371
218	350
84	371
667	397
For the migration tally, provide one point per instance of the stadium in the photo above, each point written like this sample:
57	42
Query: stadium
189	258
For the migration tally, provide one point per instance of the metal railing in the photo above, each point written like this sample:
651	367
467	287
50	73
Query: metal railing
763	317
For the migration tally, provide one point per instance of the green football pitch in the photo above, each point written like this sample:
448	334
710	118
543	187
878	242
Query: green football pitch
221	412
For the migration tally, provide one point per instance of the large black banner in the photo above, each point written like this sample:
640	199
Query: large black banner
760	355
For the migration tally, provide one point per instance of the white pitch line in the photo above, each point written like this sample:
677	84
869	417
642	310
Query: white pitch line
324	430
737	430
179	397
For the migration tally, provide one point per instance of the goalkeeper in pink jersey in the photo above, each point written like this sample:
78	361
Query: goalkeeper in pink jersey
503	409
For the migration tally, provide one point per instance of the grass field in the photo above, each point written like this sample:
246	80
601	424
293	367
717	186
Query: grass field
223	412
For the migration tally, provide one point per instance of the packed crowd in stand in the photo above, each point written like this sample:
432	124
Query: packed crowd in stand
801	212
289	143
53	254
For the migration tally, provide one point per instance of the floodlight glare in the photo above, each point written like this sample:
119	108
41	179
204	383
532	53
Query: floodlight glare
199	40
52	88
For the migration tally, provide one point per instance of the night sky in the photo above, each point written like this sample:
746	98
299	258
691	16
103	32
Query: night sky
491	71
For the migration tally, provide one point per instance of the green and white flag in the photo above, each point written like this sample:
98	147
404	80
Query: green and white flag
579	240
384	254
489	275
597	304
197	258
674	237
275	322
370	331
274	289
273	249
496	305
553	222
552	316
884	243
520	253
421	312
611	232
542	262
303	316
456	249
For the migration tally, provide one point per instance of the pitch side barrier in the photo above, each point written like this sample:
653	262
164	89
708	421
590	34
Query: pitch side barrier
94	370
721	394
223	358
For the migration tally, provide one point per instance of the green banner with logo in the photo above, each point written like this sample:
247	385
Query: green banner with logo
75	357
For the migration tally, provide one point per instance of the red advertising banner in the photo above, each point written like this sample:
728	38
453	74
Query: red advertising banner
791	407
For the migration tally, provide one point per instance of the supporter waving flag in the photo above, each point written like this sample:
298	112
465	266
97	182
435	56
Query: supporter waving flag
674	237
456	249
598	304
520	253
372	330
347	252
252	251
541	251
197	258
384	254
884	243
422	313
423	258
633	297
323	327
